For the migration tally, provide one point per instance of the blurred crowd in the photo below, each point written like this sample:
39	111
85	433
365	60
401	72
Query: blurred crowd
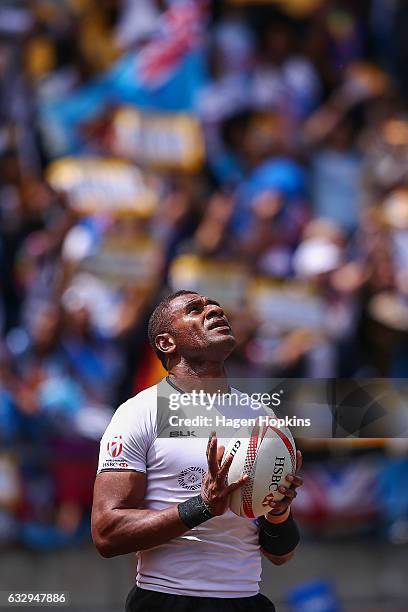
256	153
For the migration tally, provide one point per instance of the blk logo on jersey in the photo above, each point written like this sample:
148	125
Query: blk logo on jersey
191	478
115	446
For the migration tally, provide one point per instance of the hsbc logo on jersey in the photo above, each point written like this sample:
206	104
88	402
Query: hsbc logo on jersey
115	446
115	464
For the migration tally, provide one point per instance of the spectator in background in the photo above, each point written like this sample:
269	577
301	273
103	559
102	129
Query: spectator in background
270	213
336	177
92	359
283	78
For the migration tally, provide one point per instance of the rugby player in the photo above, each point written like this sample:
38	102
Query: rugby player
166	498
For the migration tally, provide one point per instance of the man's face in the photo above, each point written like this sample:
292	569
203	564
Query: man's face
200	328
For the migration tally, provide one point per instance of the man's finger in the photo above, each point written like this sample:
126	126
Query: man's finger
268	498
212	456
277	506
289	493
222	474
296	481
220	454
235	485
208	445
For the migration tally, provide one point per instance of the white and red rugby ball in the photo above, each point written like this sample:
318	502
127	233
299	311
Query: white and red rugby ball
267	454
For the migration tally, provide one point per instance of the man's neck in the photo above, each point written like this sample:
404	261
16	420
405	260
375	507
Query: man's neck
209	377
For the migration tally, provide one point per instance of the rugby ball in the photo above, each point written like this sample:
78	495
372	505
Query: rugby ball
267	454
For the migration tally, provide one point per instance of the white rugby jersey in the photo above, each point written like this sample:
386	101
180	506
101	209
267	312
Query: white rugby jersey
221	557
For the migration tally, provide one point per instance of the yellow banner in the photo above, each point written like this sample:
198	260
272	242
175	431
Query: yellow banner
103	185
126	261
168	141
289	304
224	281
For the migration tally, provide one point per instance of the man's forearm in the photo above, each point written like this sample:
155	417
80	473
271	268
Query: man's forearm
117	531
121	531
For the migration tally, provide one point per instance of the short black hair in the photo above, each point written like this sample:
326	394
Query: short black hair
159	322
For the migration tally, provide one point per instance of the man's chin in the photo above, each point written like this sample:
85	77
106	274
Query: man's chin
225	340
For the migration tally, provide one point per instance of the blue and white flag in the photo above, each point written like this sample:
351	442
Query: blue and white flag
165	75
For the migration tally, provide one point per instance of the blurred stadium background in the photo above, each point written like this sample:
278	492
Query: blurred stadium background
257	152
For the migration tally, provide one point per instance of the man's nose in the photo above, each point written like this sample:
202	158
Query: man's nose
213	311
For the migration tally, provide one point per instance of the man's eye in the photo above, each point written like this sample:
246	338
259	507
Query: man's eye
192	309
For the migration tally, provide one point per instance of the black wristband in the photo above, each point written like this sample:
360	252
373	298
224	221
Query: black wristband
278	539
194	512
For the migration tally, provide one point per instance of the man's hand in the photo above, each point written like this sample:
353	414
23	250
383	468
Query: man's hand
214	489
279	507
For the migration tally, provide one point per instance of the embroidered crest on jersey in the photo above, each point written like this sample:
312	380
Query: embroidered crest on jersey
191	478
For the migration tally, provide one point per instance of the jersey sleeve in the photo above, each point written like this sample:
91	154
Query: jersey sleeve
127	439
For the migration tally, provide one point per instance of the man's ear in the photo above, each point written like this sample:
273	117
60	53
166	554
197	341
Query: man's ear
166	343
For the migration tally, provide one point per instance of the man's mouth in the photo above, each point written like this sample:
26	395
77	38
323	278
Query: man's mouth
219	324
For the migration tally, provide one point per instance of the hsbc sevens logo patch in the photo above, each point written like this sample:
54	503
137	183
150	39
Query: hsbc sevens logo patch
115	446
